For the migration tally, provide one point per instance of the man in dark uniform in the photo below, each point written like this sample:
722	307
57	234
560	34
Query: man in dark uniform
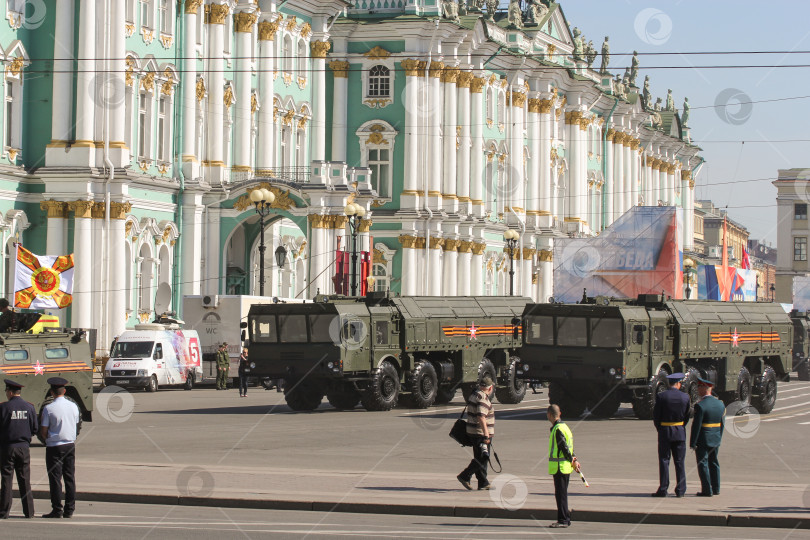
18	423
7	319
670	415
707	433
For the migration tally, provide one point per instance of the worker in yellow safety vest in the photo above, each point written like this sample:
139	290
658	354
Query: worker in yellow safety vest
561	463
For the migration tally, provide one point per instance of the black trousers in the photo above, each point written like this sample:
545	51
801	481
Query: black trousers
243	380
61	463
16	459
676	449
561	496
479	463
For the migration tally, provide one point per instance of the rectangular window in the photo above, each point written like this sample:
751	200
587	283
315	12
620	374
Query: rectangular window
381	332
161	129
658	338
130	14
379	163
263	329
165	16
59	352
292	328
19	355
572	332
800	248
800	211
143	125
146	13
9	112
379	82
320	326
606	332
540	330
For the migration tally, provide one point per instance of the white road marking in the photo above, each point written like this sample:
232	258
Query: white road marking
791	406
791	388
791	397
497	409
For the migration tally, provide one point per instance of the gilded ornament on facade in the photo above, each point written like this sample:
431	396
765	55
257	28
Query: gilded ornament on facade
410	66
283	200
464	79
166	233
227	97
168	86
127	229
288	118
287	79
306	30
377	103
200	91
320	48
129	29
267	30
148	82
302	82
192	6
16	66
477	85
340	69
450	245
550	48
166	40
144	164
377	53
492	79
119	211
378	257
128	74
478	248
217	13
55	209
147	35
376	138
407	241
436	243
302	123
163	168
450	74
243	22
81	209
254	103
436	69
516	99
292	24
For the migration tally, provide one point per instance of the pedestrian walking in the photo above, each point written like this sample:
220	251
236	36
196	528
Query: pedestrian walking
223	367
670	416
481	429
561	463
707	433
244	369
18	423
60	419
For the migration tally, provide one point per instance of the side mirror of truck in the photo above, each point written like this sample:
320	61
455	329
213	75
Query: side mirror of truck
244	334
243	324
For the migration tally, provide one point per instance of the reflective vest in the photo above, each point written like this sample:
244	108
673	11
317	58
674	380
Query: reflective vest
556	460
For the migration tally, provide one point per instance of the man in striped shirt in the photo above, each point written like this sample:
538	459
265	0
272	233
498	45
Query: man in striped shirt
480	428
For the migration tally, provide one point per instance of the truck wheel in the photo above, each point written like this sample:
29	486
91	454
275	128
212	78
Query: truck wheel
344	399
644	405
803	370
690	385
743	392
382	393
486	367
606	406
267	384
153	385
423	385
189	381
445	394
303	395
513	390
766	390
570	406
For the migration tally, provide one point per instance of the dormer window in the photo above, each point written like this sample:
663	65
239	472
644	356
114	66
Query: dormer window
379	82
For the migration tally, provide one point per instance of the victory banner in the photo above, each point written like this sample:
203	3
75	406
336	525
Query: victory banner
43	281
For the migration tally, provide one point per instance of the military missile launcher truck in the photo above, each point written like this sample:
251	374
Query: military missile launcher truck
32	359
603	352
801	344
375	348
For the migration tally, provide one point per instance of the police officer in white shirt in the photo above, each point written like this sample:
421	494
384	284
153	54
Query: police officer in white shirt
58	427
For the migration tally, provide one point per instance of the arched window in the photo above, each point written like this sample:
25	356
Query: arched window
380	273
501	107
146	265
379	82
489	98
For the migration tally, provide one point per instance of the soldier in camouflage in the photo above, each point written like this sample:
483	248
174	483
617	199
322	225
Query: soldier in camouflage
223	365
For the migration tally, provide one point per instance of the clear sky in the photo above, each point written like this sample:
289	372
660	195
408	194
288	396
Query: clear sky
737	174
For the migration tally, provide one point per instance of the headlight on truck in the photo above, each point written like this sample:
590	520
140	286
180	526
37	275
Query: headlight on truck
612	371
330	365
141	373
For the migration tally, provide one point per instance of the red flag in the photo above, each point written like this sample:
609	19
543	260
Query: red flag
746	261
725	277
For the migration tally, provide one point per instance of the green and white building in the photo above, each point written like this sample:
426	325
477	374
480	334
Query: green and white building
133	131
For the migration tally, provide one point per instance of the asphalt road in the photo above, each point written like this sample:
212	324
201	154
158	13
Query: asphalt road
138	521
208	427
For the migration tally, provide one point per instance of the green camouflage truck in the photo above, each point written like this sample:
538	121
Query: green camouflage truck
374	349
801	343
604	352
32	359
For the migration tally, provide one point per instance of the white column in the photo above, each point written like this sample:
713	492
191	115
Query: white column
476	152
546	264
515	198
409	275
463	177
450	154
477	269
433	111
671	183
189	89
192	243
319	51
649	191
688	199
526	267
634	173
464	286
627	195
610	179
537	161
340	103
63	73
450	267
656	182
86	76
82	314
243	24
267	124
618	176
119	154
434	284
118	285
409	198
213	252
545	119
215	123
573	192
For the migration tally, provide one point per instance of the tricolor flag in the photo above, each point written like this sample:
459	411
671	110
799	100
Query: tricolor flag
43	281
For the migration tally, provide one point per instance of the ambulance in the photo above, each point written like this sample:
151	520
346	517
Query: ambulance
154	355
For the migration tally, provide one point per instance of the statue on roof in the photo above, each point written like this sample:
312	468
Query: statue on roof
535	11
605	56
450	10
646	96
578	47
515	15
476	5
634	69
619	88
670	106
657	106
685	114
590	53
492	7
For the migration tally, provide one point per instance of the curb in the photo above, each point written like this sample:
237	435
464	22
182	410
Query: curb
537	514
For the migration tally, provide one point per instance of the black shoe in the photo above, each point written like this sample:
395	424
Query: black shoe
484	487
702	494
67	515
464	482
4	516
679	495
717	492
659	494
52	514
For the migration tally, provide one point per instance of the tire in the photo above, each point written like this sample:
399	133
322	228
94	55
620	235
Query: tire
189	381
423	385
606	406
803	370
382	392
445	394
153	384
485	367
344	399
570	406
744	386
644	405
267	384
766	392
303	395
689	386
513	390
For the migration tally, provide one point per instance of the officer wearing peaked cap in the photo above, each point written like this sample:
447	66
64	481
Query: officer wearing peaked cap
670	415
60	420
707	433
18	423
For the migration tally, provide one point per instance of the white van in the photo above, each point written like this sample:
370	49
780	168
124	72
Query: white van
154	355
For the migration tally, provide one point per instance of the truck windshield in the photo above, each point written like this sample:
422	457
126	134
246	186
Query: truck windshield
292	328
320	325
572	331
540	330
606	332
133	349
263	329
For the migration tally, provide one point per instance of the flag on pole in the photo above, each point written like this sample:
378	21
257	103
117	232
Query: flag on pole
746	260
43	281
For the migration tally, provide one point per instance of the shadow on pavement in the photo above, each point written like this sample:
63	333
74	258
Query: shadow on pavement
407	488
252	409
768	510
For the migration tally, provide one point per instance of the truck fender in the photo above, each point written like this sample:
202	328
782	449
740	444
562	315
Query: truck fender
661	365
392	360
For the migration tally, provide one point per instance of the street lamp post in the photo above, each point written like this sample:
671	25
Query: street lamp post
688	267
262	199
511	237
772	291
281	258
355	212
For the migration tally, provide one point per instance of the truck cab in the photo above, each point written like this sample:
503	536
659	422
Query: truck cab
801	343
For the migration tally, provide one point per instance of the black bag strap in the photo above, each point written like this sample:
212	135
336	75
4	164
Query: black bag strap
495	455
462	412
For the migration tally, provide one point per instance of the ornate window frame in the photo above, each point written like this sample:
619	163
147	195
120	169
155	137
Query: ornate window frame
376	135
377	57
382	257
16	59
166	9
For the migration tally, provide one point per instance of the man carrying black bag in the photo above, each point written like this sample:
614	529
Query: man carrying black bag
480	428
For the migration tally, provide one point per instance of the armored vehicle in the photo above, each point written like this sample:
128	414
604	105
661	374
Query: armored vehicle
32	359
801	344
375	348
603	352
